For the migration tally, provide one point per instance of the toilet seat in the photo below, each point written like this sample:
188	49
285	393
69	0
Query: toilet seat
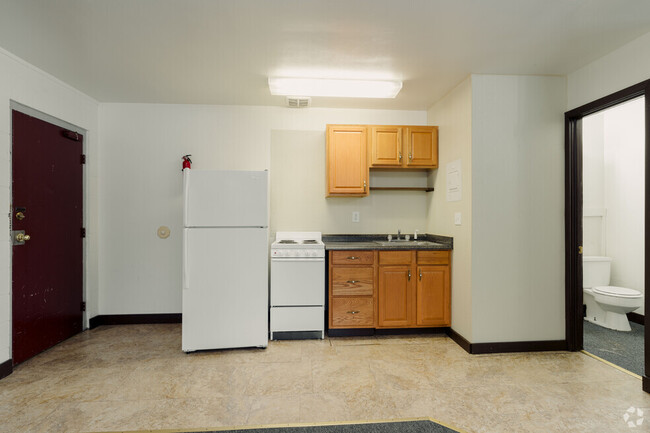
619	292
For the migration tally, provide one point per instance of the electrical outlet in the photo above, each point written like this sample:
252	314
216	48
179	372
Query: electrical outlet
457	218
355	217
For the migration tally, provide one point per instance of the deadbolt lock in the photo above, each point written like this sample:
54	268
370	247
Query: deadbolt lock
20	216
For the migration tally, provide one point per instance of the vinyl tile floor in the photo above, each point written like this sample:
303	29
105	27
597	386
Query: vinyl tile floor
136	377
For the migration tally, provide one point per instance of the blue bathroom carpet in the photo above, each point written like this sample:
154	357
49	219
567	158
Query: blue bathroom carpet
624	349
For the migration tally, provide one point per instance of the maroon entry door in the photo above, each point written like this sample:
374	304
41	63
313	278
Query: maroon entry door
47	206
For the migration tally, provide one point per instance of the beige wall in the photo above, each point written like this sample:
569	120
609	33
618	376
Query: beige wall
31	87
298	193
518	208
140	190
453	115
623	67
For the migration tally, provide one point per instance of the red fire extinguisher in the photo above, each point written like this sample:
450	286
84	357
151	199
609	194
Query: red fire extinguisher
187	162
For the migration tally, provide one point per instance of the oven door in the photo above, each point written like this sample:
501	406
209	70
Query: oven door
297	281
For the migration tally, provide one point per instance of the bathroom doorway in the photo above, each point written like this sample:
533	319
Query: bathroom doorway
613	203
600	209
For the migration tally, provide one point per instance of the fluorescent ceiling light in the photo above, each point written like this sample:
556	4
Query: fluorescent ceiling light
334	87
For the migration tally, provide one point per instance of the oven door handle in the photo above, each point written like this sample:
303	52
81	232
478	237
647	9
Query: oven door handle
297	259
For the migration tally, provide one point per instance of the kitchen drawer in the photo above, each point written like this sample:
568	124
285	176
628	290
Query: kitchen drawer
433	257
352	280
395	257
353	257
352	312
297	318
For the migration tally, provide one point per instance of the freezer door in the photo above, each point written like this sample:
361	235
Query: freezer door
225	288
225	198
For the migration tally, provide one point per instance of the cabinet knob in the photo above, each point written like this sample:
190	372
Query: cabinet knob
409	275
353	258
400	157
354	312
364	186
420	274
353	281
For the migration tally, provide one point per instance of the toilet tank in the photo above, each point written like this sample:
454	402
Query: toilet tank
596	271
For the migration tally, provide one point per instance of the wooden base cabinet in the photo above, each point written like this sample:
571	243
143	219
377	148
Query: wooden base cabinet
432	296
394	296
389	289
352	289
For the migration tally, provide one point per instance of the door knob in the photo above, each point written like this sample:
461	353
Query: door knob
20	237
20	216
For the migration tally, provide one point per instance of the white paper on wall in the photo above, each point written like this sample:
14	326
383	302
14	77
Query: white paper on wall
454	181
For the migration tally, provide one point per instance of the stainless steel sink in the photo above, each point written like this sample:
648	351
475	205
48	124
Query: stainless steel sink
403	243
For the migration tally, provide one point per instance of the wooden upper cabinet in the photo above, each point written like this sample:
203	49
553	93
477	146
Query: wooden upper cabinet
421	146
386	146
347	160
403	146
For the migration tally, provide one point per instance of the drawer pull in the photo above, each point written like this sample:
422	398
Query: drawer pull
420	274
354	312
353	258
409	275
353	281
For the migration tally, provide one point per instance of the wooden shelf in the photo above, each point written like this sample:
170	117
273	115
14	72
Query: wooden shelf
399	188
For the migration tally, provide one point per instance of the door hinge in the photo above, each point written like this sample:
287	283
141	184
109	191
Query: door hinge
83	158
83	232
83	305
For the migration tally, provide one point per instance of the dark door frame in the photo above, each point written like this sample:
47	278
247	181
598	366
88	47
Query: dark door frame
573	213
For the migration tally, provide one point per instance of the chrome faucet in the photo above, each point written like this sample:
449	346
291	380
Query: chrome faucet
399	234
415	235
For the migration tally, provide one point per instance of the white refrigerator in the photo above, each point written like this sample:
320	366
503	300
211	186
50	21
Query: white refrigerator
225	259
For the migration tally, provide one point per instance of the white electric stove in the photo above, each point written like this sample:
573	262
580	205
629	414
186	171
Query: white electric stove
297	286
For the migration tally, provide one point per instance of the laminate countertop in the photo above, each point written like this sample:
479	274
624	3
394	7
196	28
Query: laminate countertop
380	242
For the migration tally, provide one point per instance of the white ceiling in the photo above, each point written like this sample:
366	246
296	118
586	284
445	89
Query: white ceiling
222	51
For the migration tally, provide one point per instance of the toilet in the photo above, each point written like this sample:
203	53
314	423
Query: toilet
607	305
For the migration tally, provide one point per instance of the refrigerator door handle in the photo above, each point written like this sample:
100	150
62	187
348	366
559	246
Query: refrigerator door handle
186	284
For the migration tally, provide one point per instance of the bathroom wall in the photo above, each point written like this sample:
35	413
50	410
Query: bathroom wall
593	181
614	175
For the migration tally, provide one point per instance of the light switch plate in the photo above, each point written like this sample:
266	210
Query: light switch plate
457	218
355	217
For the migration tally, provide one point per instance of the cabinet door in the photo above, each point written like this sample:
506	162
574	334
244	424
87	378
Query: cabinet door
386	146
347	160
422	146
433	306
395	296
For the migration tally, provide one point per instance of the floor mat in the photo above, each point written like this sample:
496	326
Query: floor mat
624	349
415	426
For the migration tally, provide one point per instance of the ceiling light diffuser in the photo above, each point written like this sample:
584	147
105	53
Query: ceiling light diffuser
334	87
